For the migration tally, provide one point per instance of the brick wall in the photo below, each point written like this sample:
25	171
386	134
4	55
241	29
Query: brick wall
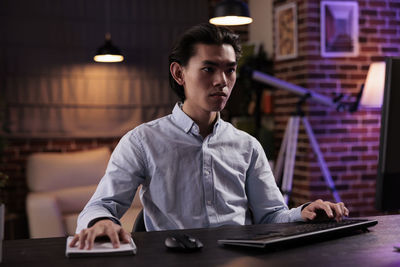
349	142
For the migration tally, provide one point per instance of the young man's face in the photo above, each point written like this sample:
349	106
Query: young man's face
209	77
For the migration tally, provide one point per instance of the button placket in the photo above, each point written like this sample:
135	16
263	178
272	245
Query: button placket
207	174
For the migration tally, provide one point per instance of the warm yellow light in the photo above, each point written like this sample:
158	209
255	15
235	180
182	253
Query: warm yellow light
108	58
231	20
372	95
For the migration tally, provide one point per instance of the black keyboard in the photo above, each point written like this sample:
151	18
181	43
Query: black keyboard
309	227
289	232
318	226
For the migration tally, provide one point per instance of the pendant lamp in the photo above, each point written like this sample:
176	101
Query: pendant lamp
108	53
231	13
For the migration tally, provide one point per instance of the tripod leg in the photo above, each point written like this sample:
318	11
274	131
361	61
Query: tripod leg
290	158
321	161
279	162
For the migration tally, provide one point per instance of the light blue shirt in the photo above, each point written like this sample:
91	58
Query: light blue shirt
188	181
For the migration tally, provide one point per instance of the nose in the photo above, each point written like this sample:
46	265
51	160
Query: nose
220	79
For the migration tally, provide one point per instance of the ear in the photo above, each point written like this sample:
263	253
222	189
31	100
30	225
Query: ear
177	72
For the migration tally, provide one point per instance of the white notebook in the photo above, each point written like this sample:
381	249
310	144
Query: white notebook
100	248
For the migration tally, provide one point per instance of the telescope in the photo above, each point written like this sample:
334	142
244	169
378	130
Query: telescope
284	166
336	103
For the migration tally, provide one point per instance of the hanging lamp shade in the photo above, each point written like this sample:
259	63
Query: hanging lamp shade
231	13
108	52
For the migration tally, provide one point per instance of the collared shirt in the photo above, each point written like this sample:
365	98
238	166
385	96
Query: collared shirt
189	181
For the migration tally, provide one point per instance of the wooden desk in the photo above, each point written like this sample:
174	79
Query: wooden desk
367	249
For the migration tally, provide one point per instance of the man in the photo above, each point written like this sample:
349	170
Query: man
196	170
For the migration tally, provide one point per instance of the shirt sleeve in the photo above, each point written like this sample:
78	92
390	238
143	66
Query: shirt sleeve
265	199
115	191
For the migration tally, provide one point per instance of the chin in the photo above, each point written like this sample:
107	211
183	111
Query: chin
218	106
218	109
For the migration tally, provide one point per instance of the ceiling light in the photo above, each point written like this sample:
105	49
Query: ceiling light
231	13
108	52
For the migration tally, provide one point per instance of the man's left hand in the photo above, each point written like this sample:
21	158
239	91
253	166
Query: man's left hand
320	209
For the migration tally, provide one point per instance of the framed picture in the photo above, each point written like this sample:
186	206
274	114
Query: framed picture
339	29
286	31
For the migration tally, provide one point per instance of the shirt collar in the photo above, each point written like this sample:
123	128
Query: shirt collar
184	121
181	119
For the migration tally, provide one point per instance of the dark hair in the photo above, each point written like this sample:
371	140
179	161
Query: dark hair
204	33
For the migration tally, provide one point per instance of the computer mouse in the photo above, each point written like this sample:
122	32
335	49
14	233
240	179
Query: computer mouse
183	242
322	217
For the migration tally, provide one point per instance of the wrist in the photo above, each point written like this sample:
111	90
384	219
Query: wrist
305	205
94	221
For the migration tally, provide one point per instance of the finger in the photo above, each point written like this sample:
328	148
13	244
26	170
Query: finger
309	215
309	212
318	201
324	211
74	241
320	205
316	205
90	239
343	208
338	210
82	238
346	212
328	210
124	236
112	234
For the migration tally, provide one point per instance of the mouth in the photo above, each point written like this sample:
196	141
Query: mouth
219	94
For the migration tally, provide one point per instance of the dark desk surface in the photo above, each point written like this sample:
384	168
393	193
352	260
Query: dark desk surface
365	249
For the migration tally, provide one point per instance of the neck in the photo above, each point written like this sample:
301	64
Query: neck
205	120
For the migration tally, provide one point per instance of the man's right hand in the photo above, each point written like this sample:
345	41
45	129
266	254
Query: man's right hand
106	228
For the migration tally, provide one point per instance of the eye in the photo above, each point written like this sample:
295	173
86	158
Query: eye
231	70
208	69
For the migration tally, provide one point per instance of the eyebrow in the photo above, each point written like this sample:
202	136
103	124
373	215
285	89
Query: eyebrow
213	63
